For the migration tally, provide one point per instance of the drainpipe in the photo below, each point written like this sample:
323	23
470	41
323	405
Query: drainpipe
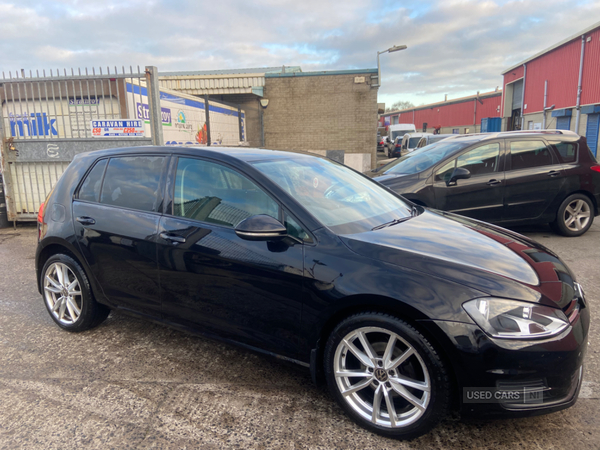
545	98
578	104
523	95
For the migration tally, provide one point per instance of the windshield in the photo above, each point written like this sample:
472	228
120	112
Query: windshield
412	142
425	157
400	133
339	198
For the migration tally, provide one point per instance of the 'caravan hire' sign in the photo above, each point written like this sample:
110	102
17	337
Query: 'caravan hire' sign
117	128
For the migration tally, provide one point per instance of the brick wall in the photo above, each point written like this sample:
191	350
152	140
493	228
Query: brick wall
321	112
251	107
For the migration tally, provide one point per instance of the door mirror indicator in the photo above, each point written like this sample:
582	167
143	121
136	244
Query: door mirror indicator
261	227
460	173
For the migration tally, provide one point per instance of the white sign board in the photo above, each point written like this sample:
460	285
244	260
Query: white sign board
184	117
117	128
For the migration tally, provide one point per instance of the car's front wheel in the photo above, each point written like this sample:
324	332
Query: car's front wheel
68	296
386	375
575	216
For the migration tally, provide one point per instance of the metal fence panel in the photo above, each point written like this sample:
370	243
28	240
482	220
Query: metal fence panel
32	182
45	120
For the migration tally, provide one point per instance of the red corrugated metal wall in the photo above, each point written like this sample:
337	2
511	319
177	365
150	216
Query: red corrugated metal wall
590	93
561	68
453	115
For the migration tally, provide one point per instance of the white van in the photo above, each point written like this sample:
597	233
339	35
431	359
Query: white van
397	131
411	140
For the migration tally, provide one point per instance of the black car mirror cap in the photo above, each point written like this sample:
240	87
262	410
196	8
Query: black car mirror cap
261	227
460	173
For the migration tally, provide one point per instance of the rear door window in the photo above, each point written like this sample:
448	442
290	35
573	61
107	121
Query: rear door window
526	154
133	182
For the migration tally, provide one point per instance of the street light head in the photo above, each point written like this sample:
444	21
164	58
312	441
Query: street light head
396	48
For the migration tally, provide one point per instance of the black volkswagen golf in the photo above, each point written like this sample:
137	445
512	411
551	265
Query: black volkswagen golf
404	312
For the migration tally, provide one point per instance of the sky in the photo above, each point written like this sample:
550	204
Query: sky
454	47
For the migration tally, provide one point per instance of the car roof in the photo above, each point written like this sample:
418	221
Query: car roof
418	134
217	152
563	135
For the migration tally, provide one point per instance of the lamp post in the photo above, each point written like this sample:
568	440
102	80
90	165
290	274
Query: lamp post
395	48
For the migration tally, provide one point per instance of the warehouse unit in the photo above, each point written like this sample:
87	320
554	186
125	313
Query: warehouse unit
243	88
458	116
557	88
287	109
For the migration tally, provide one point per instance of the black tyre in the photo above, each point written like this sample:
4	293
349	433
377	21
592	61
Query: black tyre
67	295
574	216
386	375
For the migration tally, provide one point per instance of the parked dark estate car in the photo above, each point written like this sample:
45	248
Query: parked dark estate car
509	178
404	312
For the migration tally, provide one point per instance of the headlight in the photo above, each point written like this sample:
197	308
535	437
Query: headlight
511	319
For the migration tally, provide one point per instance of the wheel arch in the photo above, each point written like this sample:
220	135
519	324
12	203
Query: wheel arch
575	192
380	304
54	247
590	196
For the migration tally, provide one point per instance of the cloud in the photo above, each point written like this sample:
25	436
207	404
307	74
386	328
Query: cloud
455	47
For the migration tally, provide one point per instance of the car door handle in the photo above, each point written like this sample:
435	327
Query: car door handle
84	220
173	238
494	182
553	173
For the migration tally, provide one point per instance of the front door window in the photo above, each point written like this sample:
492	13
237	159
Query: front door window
216	194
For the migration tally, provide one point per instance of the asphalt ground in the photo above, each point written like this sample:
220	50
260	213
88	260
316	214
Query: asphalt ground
132	384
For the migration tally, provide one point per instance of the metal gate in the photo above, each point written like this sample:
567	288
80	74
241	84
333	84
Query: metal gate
46	120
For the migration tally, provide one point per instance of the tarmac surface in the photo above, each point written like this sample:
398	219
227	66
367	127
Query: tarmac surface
132	384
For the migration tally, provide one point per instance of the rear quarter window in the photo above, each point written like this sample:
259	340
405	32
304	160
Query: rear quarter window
567	151
90	189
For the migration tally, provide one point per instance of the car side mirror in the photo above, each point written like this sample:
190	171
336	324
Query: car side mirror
261	227
460	173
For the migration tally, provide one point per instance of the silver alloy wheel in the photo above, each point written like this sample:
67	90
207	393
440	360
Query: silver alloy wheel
577	215
393	388
62	293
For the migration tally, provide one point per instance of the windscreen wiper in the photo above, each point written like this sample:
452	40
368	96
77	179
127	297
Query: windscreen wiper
390	223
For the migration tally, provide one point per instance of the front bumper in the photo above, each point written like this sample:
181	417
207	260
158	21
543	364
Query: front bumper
519	378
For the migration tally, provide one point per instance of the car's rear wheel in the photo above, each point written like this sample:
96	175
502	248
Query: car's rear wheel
574	216
68	296
386	375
